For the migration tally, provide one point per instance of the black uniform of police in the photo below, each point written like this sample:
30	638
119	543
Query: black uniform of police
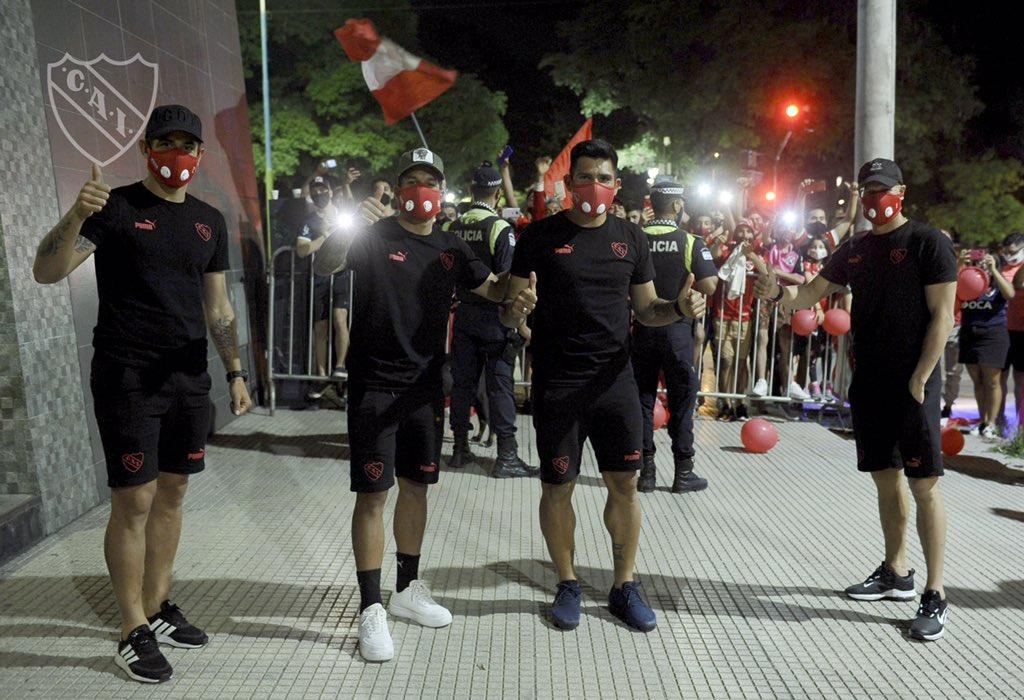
479	337
669	349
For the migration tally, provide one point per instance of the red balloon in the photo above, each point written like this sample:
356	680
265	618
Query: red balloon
758	435
660	415
804	322
971	282
952	441
837	322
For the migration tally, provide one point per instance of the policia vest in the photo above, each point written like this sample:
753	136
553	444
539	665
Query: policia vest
481	229
671	254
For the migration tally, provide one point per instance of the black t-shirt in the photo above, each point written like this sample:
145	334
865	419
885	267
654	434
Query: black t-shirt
669	254
404	286
987	311
581	323
151	256
887	274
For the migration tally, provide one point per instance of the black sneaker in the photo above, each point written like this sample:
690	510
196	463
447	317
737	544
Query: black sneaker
884	583
140	657
316	392
648	479
741	413
930	623
171	628
727	414
947	412
685	481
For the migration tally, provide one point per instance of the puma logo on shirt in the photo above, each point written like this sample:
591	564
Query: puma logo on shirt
397	257
565	250
146	224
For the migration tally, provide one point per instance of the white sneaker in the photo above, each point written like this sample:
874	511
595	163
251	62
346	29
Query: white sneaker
415	603
374	638
760	388
798	392
991	432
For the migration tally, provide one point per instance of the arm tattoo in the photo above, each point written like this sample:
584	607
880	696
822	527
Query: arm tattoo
55	239
222	330
84	245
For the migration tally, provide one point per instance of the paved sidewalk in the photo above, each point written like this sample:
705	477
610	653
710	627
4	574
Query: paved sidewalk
743	577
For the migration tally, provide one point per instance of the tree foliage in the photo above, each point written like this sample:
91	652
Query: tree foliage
715	77
321	107
983	199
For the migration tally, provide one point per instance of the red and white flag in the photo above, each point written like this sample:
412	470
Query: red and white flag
560	166
401	82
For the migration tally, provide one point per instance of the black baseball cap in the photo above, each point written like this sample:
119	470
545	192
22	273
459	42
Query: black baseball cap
880	170
166	119
486	176
320	181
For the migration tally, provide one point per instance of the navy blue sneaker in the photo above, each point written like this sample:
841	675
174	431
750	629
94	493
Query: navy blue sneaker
565	611
628	605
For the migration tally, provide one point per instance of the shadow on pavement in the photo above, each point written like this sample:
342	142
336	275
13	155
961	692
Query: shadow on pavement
327	446
984	468
1011	514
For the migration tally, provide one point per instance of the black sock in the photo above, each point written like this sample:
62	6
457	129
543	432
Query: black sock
408	570
369	588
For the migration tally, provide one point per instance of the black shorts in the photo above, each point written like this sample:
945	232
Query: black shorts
608	413
891	428
394	434
325	298
1015	358
987	346
150	421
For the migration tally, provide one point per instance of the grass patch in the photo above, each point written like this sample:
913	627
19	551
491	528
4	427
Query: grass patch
1013	447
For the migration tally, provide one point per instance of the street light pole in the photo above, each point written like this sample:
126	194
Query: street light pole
875	128
778	157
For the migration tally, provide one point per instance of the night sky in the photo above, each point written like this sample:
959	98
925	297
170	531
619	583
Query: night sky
504	41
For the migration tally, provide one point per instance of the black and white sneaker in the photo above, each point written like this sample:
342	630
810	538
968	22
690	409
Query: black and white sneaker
171	628
140	657
884	583
930	623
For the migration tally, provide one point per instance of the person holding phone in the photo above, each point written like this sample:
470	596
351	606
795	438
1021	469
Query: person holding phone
985	339
903	278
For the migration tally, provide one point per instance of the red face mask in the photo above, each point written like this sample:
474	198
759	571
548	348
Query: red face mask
419	202
593	199
881	207
174	167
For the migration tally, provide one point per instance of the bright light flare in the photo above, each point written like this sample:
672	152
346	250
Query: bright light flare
792	111
703	189
449	197
725	197
770	196
789	218
345	220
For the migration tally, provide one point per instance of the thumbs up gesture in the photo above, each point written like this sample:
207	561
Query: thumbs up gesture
691	303
766	286
524	302
93	195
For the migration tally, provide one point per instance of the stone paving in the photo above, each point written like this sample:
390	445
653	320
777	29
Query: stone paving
744	578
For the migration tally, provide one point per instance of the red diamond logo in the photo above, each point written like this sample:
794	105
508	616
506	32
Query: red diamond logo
204	231
374	469
448	259
620	249
897	255
561	464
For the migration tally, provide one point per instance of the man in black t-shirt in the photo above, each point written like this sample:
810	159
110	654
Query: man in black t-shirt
330	299
406	271
903	279
160	259
589	267
668	350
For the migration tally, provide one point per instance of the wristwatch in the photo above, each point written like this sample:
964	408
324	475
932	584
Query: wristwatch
235	374
679	311
778	297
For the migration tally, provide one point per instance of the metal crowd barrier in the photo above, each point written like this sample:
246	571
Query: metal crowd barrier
293	370
765	325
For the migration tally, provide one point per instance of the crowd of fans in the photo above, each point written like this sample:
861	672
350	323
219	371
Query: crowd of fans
746	350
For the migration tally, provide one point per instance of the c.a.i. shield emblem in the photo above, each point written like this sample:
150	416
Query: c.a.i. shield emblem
92	102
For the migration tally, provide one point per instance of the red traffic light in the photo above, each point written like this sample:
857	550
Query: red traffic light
792	111
770	196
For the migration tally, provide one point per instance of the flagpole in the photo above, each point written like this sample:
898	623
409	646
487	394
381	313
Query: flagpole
268	185
416	123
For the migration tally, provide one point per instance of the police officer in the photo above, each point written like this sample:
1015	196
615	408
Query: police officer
479	336
669	349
